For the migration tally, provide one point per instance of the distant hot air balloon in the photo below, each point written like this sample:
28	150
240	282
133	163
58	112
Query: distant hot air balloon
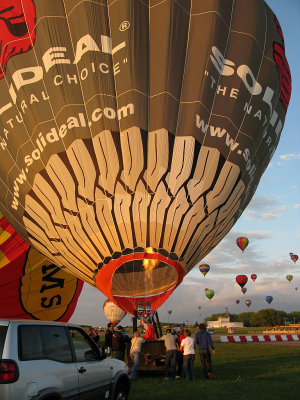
242	242
112	312
248	303
296	288
237	301
294	257
199	307
204	268
226	310
253	277
269	299
123	160
244	290
209	293
289	278
241	280
169	312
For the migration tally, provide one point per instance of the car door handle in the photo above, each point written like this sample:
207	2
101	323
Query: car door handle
81	370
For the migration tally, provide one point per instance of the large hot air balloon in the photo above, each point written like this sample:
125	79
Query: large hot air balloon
241	280
248	303
294	257
204	268
244	290
32	287
269	299
209	293
289	278
112	312
237	301
242	242
253	277
132	136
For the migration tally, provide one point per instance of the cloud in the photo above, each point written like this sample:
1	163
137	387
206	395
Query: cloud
290	156
265	208
297	205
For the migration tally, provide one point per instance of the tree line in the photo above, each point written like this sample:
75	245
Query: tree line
266	317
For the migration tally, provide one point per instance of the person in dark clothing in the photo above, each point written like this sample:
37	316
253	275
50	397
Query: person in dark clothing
119	343
204	341
108	335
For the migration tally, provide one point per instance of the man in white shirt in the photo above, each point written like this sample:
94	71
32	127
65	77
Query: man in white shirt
135	353
171	353
188	348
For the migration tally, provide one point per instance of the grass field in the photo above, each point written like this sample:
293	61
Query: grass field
242	372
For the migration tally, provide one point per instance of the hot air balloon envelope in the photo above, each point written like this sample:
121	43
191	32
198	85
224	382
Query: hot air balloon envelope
242	242
237	301
269	299
204	268
31	286
248	303
121	159
112	312
253	277
241	280
289	278
244	290
294	257
209	293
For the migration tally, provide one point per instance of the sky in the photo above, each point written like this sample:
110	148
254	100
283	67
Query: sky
271	222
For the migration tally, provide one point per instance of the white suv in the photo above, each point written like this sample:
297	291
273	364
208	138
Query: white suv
42	360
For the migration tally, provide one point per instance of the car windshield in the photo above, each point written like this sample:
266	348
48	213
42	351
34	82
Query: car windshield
3	330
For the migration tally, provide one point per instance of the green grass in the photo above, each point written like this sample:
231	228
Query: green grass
242	371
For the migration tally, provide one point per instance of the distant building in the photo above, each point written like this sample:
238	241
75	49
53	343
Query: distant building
224	322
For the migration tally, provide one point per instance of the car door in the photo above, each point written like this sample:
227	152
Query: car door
94	375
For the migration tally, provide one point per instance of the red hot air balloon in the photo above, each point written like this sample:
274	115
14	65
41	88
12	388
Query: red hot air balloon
253	277
242	242
237	301
294	257
241	280
244	290
248	303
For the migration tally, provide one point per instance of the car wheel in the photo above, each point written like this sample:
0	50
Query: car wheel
121	392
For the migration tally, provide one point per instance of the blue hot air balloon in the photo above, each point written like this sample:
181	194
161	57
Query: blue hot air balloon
269	299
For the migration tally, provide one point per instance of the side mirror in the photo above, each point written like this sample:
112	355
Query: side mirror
106	351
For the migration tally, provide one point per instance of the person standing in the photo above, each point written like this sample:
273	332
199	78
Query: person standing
171	353
108	335
188	348
135	354
179	338
118	344
204	341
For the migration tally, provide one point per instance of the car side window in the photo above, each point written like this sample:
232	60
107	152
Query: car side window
31	345
85	349
56	344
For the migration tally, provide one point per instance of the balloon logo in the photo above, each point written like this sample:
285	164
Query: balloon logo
241	280
237	301
112	312
204	268
289	278
269	299
209	293
115	166
242	243
248	303
253	277
294	257
244	290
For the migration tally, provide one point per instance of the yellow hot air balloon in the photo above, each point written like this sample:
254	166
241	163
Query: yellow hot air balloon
132	136
32	287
